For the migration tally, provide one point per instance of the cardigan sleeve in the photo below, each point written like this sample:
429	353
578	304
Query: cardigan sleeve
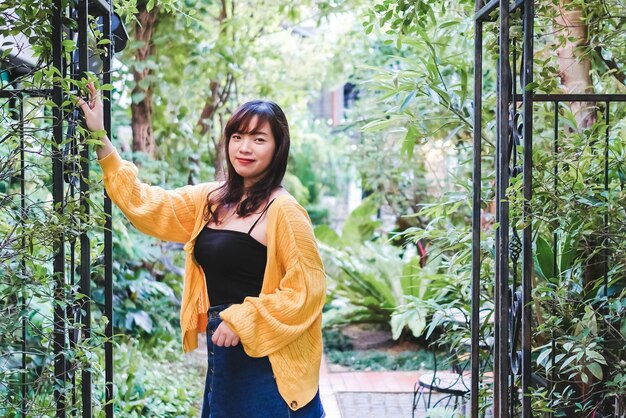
269	322
168	215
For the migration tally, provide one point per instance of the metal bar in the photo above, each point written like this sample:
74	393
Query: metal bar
582	97
578	98
69	313
108	226
7	94
85	258
496	289
554	249
516	5
57	194
501	375
512	320
605	251
98	7
527	245
483	13
476	209
22	258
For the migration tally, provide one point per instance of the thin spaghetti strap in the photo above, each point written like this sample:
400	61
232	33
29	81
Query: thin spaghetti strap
261	215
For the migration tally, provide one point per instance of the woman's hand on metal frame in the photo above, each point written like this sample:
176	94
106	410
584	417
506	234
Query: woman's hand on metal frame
92	110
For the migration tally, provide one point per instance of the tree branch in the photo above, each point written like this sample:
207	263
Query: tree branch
612	65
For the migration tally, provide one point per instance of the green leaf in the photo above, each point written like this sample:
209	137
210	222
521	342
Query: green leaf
567	252
407	100
544	356
138	97
531	86
361	222
408	145
544	259
448	24
567	362
378	125
141	319
328	236
411	280
596	370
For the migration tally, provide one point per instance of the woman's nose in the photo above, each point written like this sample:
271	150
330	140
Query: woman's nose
245	145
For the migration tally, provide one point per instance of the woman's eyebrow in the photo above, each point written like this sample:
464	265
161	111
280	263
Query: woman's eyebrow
254	132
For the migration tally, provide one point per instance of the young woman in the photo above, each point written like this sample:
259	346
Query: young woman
254	280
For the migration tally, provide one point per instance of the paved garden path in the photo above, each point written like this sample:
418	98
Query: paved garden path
368	394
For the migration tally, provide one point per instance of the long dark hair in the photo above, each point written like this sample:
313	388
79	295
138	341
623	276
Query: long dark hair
232	190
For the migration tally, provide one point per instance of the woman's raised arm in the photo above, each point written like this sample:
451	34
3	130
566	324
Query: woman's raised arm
169	215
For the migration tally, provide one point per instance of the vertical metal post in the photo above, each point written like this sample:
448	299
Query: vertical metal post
57	195
605	249
527	246
501	363
476	210
108	226
23	256
513	300
555	251
85	258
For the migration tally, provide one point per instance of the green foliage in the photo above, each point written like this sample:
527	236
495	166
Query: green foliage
335	340
362	271
419	96
380	282
155	382
376	360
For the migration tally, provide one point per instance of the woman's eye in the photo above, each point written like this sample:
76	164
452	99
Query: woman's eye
260	139
237	137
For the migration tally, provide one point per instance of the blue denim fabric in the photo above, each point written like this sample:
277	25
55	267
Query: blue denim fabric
238	385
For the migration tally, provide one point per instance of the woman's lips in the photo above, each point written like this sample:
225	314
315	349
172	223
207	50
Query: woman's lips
244	161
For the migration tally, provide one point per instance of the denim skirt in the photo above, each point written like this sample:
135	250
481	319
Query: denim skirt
240	386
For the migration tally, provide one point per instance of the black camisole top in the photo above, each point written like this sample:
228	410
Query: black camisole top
233	263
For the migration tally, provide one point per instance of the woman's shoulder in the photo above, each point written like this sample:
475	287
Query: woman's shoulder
201	191
284	205
209	186
282	198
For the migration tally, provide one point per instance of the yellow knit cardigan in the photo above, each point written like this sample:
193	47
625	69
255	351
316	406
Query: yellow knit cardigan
284	322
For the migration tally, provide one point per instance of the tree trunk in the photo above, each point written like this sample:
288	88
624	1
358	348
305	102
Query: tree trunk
143	138
574	69
575	73
215	102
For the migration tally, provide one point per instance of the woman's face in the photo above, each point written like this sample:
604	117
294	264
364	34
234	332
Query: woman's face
251	153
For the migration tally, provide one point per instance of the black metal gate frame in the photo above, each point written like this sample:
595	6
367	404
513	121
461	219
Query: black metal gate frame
512	303
83	9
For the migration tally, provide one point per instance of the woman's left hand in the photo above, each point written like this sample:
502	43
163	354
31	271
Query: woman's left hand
224	336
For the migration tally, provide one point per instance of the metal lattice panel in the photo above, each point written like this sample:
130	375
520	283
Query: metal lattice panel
513	370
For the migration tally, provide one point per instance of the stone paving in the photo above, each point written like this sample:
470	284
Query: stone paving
369	394
375	404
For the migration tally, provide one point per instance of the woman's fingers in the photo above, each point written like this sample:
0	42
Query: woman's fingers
224	336
83	105
92	108
94	95
231	341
